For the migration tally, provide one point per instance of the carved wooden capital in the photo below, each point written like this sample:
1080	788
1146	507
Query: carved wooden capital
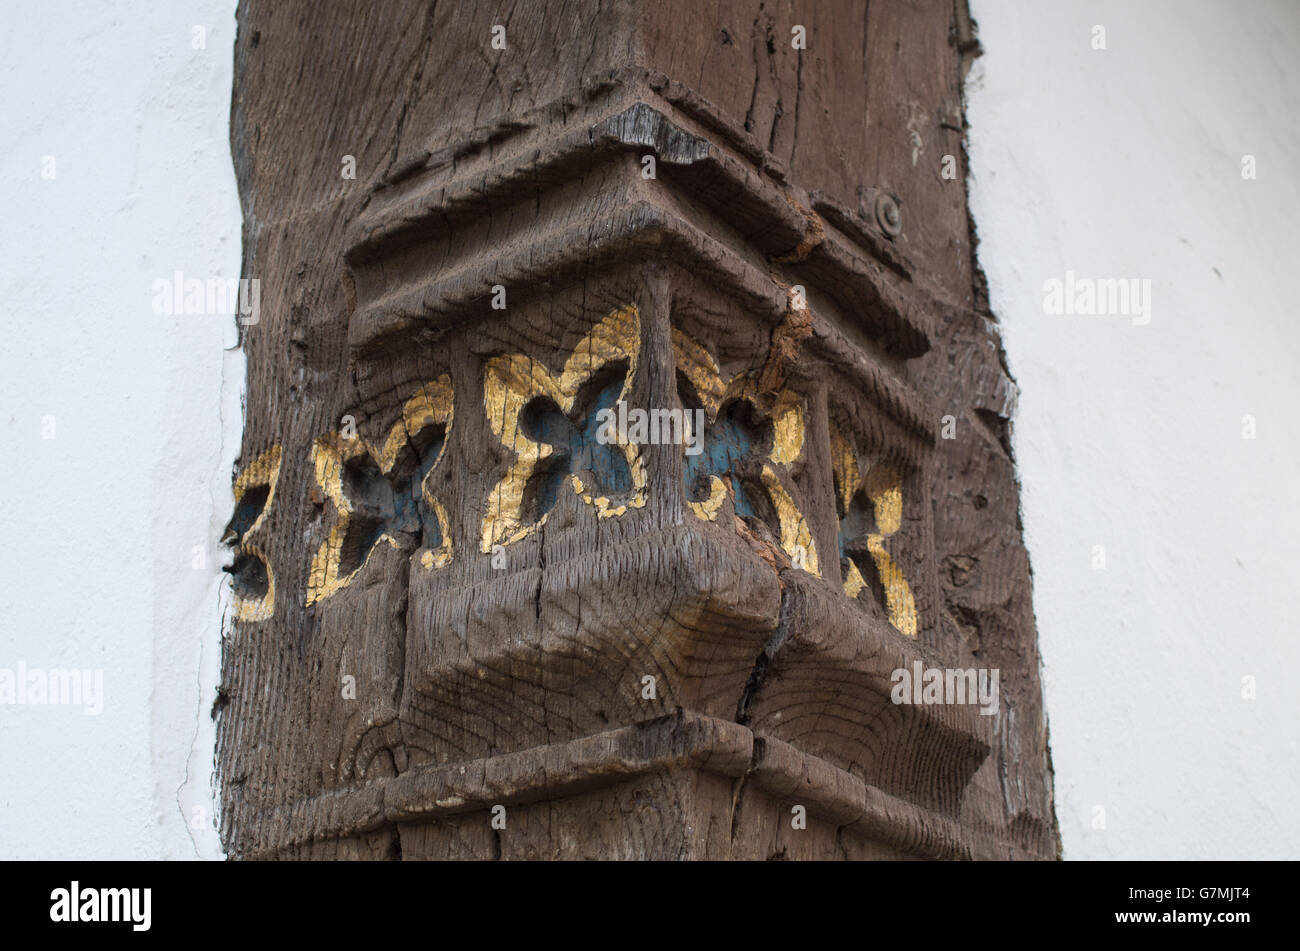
655	591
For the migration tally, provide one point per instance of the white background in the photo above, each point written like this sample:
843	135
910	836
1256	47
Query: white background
1123	162
98	526
1126	162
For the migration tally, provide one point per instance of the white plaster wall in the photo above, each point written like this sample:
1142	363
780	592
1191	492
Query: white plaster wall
98	526
1126	162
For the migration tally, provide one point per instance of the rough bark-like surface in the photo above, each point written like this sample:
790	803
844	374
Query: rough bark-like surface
452	596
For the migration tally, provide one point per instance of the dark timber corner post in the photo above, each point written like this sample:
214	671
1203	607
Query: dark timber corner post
627	434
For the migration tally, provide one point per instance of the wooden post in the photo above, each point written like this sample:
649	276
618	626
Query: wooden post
626	471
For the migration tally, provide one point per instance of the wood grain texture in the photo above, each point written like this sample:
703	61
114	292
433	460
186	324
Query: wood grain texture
471	626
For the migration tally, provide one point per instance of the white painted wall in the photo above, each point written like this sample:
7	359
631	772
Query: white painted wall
98	525
1127	162
1116	163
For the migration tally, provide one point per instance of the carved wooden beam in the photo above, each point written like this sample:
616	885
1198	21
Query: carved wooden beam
627	467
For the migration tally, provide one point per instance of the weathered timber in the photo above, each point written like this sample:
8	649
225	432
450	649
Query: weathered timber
623	417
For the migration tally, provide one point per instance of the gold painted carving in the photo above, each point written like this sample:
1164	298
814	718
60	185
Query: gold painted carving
512	381
263	471
884	489
787	416
431	405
